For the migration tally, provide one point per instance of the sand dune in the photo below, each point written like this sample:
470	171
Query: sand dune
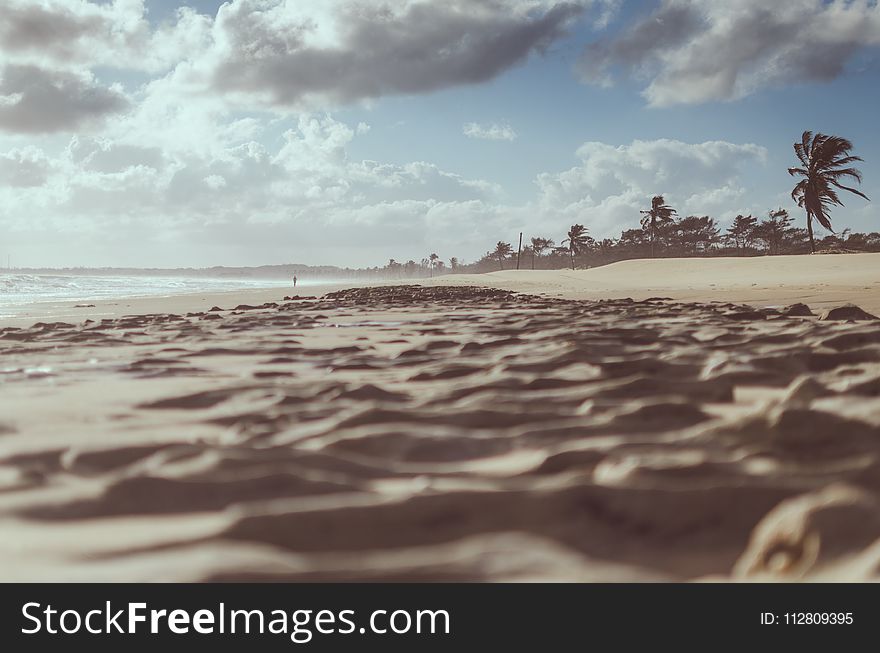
822	281
445	433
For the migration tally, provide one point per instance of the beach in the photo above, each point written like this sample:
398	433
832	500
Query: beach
821	281
652	420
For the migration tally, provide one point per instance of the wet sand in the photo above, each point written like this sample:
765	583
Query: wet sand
443	433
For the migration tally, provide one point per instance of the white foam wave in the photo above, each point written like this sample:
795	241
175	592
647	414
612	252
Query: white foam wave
19	290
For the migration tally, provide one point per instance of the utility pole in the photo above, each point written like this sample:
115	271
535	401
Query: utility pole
519	250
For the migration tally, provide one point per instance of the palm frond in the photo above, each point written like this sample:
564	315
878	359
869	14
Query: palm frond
818	142
851	190
802	148
824	220
853	173
830	197
842	161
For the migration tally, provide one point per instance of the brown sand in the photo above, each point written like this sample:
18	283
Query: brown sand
821	281
442	433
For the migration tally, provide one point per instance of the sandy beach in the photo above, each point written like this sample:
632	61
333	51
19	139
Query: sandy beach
821	281
590	425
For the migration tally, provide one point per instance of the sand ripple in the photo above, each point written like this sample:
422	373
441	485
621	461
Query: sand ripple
410	433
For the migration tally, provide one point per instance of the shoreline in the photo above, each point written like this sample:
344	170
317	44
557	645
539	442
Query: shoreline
78	311
821	281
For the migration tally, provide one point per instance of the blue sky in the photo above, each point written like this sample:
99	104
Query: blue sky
353	131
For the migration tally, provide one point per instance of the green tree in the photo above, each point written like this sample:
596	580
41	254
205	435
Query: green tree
606	246
635	243
501	252
825	161
659	214
773	230
539	246
695	234
742	232
578	241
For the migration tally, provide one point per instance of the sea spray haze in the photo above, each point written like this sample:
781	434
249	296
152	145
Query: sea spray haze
20	290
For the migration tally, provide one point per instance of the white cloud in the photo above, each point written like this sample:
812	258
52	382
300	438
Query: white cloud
75	33
34	100
306	198
206	155
611	184
296	53
215	182
692	51
24	168
493	132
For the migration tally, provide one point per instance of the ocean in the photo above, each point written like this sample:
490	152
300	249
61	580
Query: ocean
21	290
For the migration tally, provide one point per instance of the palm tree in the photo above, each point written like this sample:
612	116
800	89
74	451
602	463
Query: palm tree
394	266
502	251
606	246
453	263
742	232
578	241
774	229
825	160
539	246
658	214
432	259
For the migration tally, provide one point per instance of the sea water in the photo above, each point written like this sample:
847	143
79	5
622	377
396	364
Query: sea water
22	290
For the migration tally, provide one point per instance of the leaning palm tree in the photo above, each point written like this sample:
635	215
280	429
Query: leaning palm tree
825	161
657	215
502	251
578	241
539	246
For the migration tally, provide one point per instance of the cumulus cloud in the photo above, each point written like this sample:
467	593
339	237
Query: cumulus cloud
302	195
36	100
285	54
292	52
307	186
69	33
54	30
692	51
611	184
24	168
493	132
212	155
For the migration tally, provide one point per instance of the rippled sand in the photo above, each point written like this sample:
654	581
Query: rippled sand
440	433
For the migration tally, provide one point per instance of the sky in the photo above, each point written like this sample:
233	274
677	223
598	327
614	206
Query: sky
157	133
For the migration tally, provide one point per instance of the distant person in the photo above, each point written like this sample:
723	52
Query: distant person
294	281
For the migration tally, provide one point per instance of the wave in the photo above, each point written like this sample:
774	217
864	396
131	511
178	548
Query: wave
25	289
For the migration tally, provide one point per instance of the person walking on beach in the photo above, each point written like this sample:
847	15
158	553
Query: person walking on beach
294	281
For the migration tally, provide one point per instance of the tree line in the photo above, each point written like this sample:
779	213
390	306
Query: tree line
824	163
